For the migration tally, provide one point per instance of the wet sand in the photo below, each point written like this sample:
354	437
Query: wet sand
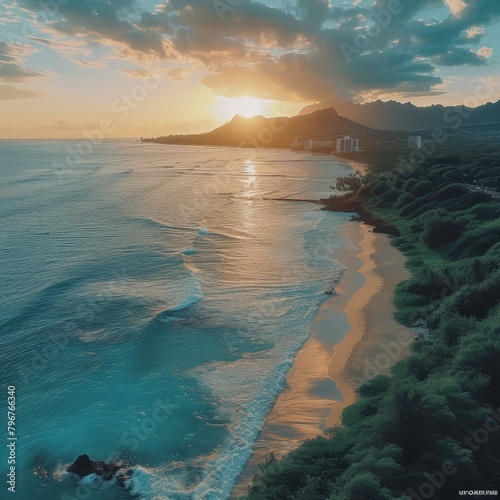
353	337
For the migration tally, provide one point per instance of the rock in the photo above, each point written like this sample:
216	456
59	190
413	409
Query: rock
83	466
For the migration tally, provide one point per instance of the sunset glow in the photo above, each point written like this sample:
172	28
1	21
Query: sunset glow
160	68
250	235
244	106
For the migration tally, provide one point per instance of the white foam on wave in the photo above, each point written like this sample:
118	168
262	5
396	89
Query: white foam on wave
146	483
222	473
186	303
93	482
61	473
180	295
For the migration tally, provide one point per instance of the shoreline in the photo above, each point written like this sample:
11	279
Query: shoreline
354	164
352	339
376	341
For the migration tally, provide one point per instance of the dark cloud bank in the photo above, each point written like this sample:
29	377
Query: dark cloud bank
314	53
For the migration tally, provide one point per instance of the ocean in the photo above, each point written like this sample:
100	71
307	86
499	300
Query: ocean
153	300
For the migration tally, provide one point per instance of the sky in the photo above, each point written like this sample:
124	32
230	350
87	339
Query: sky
132	68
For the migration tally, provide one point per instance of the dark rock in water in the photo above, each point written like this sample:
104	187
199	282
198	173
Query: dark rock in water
83	466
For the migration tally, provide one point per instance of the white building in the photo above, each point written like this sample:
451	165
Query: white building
415	142
312	145
346	144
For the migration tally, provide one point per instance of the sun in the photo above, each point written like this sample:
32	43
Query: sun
228	107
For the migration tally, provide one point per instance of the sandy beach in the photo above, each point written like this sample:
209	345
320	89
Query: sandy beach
355	165
354	336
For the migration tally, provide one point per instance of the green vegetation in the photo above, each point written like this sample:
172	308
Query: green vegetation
433	426
351	183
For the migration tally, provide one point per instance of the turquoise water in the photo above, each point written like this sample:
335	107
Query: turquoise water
153	301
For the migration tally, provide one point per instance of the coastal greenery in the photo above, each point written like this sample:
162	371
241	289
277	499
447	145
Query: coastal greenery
432	427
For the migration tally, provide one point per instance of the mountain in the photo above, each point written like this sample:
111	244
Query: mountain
392	115
274	132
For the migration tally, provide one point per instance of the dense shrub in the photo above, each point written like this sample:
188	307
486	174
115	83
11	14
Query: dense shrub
408	210
422	188
409	184
444	160
404	199
440	231
485	211
367	189
407	247
398	241
483	162
418	223
380	188
424	208
411	422
450	191
454	327
469	200
476	242
374	387
475	300
390	196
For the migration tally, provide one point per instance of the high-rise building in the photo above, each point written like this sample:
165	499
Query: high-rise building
415	142
347	144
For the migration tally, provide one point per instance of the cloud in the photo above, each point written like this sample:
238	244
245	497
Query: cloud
45	41
459	57
178	74
65	46
11	63
101	20
137	72
485	52
9	93
315	51
89	64
456	6
475	33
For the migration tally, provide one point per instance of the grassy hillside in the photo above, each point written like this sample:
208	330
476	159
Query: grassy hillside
432	428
